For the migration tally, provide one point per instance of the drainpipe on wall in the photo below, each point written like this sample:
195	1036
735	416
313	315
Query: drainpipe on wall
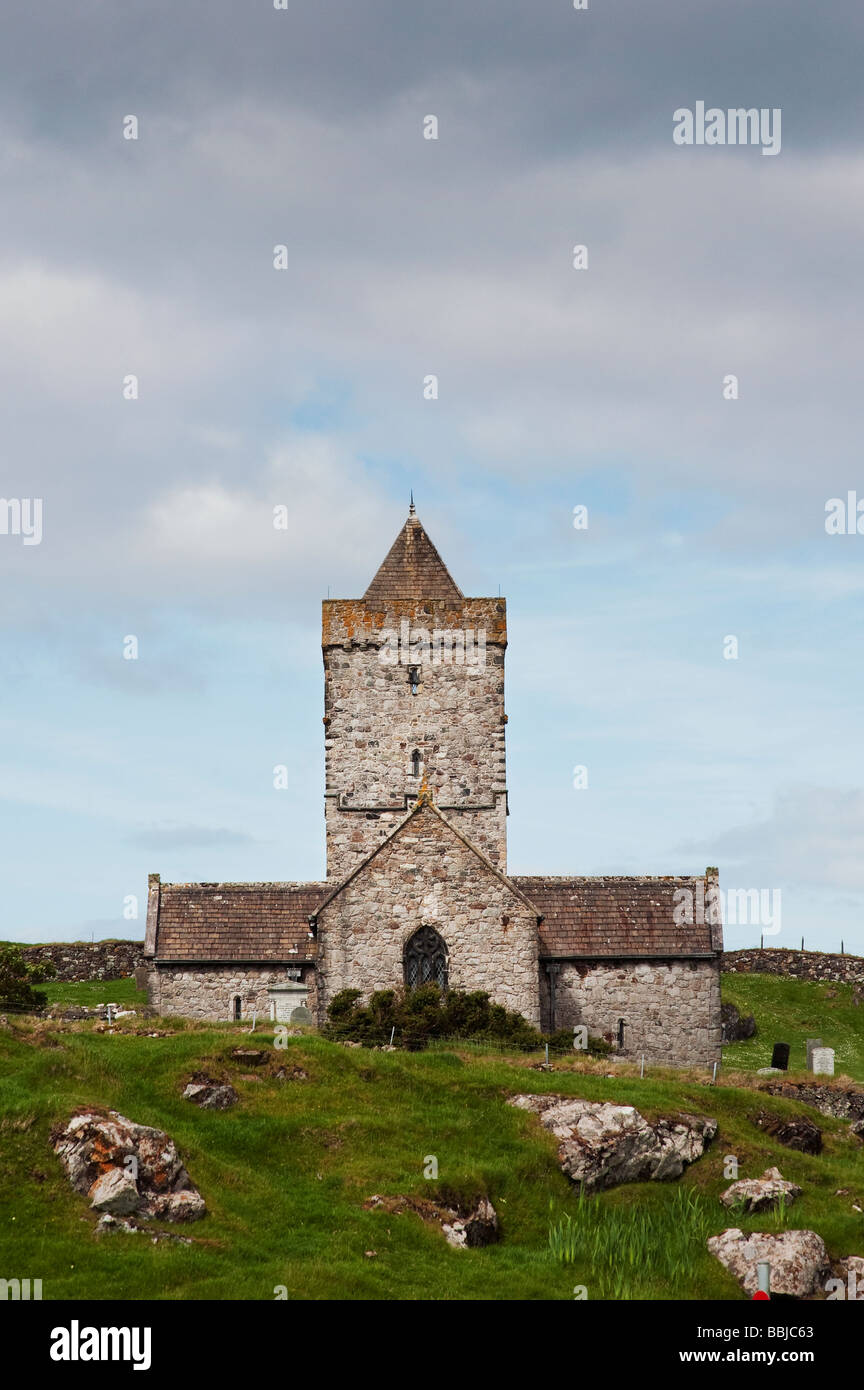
552	971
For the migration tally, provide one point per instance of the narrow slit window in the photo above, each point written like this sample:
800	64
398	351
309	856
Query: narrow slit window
415	763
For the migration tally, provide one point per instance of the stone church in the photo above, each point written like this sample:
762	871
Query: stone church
417	889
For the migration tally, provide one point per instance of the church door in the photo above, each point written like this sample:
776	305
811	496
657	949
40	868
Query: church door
426	959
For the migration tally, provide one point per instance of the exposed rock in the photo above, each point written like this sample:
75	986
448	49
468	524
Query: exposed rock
477	1229
462	1228
851	1272
735	1028
795	1133
211	1095
602	1144
760	1193
798	1259
94	1149
185	1205
828	1100
291	1074
111	1223
115	1192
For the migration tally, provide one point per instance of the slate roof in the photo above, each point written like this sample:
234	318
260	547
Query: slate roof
590	918
412	568
608	917
237	921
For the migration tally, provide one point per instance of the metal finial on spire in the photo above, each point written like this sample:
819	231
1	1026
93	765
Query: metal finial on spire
411	511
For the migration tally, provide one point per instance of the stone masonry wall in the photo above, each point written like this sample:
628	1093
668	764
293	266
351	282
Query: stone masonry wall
79	960
373	724
208	991
426	875
803	965
671	1009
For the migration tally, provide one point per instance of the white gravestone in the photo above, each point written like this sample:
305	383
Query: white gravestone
823	1061
288	999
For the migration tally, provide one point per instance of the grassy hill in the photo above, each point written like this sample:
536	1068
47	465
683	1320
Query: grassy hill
285	1172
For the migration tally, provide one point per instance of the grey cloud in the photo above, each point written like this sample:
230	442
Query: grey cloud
814	837
188	837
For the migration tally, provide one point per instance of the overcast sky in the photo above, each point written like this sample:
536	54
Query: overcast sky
558	387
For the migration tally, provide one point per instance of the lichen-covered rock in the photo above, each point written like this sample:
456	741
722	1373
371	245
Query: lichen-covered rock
602	1145
798	1259
850	1272
758	1194
105	1156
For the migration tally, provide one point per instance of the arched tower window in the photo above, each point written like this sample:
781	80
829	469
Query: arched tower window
415	763
426	959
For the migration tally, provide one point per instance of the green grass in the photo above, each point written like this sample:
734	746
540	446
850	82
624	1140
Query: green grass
791	1011
92	992
285	1174
639	1251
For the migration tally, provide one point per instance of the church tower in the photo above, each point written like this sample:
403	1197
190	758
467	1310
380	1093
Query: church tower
413	699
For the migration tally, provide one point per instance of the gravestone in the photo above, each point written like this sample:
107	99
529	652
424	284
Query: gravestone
823	1061
780	1056
286	1000
811	1044
300	1015
142	974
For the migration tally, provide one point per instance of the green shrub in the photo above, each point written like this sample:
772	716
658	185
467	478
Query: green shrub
17	978
423	1014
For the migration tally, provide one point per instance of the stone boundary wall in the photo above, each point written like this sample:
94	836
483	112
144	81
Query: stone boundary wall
83	960
801	965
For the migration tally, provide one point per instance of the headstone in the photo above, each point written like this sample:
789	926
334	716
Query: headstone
286	999
142	975
823	1061
811	1044
300	1015
780	1056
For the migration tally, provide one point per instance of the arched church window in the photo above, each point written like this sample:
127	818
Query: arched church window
415	763
414	679
426	959
238	1005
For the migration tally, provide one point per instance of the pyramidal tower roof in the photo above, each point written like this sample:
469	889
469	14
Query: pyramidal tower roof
412	568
